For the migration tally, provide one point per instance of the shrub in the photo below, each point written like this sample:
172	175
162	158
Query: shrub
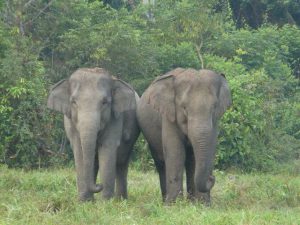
251	133
25	125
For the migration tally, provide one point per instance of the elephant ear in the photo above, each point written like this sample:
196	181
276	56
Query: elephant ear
59	98
224	97
123	97
162	96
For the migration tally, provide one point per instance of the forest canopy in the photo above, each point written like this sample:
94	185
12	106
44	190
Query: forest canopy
256	43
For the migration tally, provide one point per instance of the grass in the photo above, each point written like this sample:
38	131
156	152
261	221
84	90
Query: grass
49	197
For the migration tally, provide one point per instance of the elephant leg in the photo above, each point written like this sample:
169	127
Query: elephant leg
190	173
174	154
107	159
160	167
96	167
121	181
110	142
84	193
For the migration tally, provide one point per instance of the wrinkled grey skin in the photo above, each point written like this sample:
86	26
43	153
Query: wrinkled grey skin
178	115
100	122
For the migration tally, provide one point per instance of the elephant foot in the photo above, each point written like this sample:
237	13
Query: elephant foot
203	197
89	195
121	196
169	202
106	195
86	196
191	197
170	199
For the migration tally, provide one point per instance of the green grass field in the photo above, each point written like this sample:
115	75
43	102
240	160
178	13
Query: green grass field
43	197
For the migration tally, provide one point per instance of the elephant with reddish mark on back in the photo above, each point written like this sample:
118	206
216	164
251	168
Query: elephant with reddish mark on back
178	115
100	122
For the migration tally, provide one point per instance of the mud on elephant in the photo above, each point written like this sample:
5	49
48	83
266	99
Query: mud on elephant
100	122
178	115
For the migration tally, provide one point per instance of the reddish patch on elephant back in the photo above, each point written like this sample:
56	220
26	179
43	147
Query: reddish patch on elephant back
176	71
84	73
179	72
94	70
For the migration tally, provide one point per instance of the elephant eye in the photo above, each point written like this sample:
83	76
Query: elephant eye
184	111
215	105
105	101
73	102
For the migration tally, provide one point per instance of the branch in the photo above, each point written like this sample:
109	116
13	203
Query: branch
28	3
21	28
40	12
198	50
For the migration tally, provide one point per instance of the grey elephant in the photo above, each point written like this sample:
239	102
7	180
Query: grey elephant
178	115
100	122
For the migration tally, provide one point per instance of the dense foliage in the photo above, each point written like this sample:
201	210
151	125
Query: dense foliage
43	41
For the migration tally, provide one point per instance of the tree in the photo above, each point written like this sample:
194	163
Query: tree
190	21
255	13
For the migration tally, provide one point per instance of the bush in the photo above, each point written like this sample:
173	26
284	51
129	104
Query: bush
36	50
25	124
268	47
142	159
251	133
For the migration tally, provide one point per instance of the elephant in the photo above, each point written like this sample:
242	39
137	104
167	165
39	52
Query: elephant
101	125
178	115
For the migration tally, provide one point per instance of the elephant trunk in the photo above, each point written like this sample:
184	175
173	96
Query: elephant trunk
203	139
88	136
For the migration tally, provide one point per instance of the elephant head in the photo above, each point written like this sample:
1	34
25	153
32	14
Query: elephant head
194	101
90	99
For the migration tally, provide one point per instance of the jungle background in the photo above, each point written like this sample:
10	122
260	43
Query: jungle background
255	43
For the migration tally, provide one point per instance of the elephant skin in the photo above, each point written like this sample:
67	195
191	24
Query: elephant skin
178	115
100	122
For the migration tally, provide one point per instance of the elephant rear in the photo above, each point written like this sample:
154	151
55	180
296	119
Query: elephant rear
130	134
150	124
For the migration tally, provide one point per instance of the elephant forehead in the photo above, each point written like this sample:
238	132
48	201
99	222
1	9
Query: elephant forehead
95	70
91	78
194	85
87	74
